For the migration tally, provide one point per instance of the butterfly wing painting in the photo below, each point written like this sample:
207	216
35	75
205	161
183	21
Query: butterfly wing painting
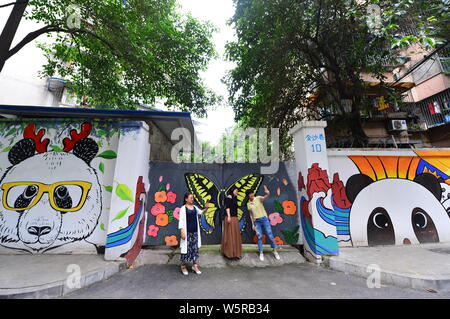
204	190
248	182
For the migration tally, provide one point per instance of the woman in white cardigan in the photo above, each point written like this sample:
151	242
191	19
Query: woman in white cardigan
190	233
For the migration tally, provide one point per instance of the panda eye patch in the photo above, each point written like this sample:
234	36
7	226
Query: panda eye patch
420	220
423	226
380	220
30	192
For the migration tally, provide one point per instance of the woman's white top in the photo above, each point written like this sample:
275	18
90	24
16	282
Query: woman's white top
182	225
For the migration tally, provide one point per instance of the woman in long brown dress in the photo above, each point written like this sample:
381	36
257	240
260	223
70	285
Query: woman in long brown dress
231	235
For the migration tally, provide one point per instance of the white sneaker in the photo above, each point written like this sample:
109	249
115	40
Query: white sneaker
185	272
277	256
198	272
261	256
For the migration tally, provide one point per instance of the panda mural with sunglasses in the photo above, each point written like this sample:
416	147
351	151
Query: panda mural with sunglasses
49	199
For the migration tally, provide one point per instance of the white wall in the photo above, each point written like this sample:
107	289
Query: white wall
19	80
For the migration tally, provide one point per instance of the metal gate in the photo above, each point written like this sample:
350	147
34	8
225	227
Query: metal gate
170	181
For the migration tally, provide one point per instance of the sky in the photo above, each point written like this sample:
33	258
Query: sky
221	117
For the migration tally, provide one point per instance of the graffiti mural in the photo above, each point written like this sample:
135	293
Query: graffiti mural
52	195
204	189
169	182
319	238
390	200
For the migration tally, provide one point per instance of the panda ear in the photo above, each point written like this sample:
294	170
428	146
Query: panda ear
86	149
22	150
431	183
356	184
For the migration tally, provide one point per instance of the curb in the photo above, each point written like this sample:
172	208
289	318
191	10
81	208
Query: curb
59	288
389	277
217	260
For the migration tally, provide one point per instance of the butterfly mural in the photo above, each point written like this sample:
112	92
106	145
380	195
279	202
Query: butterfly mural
204	189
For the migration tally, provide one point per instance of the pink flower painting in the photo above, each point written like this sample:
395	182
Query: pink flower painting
176	213
171	197
157	209
153	231
275	219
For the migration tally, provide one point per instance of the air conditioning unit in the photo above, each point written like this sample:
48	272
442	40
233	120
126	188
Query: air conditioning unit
397	76
397	125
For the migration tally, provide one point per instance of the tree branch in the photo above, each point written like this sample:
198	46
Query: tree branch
53	28
11	4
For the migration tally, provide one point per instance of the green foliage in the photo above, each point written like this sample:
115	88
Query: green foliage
304	60
287	50
123	54
427	22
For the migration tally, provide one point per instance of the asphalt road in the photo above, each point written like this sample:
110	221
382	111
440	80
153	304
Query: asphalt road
303	281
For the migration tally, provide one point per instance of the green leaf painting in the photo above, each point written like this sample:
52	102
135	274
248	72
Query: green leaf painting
102	227
101	133
124	192
6	149
56	148
11	131
291	237
121	214
108	154
170	214
108	188
101	167
278	207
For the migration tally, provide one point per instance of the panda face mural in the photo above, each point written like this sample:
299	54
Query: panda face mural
396	211
51	198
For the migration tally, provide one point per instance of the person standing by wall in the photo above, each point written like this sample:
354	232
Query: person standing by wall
260	221
231	236
190	233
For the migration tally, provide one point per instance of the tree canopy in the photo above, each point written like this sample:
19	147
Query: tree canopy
119	54
292	55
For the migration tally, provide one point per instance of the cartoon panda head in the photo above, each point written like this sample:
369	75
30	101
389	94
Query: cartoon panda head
396	211
49	199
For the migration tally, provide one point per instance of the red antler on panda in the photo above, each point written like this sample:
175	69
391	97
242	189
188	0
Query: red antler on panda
69	143
29	132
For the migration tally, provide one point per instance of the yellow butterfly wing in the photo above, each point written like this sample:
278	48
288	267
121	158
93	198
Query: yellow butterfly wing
204	190
248	182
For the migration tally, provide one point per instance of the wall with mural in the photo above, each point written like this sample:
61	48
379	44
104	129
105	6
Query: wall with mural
58	183
385	197
352	197
169	182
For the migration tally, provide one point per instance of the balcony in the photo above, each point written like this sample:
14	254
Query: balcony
436	109
445	64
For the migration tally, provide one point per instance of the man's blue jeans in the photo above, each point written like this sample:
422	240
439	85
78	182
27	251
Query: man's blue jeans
263	225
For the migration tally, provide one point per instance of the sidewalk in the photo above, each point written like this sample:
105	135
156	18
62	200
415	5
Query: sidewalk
45	276
425	266
210	257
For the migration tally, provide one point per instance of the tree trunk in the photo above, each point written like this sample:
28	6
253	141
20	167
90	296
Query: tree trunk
355	123
10	29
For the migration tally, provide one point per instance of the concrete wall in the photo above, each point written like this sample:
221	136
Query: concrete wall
161	145
69	185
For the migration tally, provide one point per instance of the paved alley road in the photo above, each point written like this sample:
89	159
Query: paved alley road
288	281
